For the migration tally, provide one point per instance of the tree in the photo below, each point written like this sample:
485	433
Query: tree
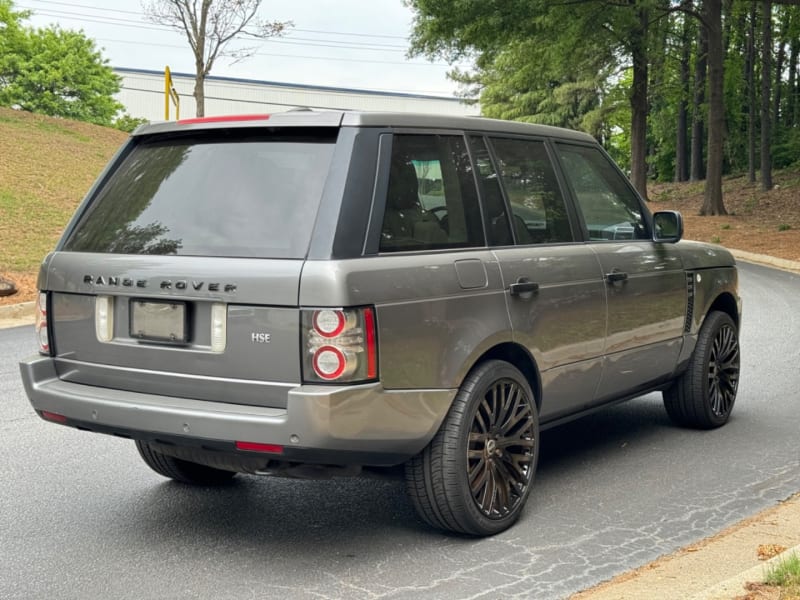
766	76
54	71
209	27
712	20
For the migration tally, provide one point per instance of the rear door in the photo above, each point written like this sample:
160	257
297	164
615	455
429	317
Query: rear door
181	274
555	295
644	280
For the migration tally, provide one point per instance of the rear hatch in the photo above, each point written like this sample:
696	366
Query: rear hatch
180	275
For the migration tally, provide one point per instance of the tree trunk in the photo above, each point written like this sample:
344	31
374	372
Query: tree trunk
639	106
200	93
780	59
750	67
712	202
698	125
791	91
766	80
681	141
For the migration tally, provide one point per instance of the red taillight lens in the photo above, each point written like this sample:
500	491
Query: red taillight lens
41	324
340	345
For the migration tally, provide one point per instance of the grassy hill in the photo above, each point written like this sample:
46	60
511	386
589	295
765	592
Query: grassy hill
48	164
46	167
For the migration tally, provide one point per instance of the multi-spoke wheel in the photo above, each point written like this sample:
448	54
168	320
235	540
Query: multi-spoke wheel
704	395
476	473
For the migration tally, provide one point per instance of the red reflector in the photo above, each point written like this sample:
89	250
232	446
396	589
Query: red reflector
372	347
223	119
256	447
50	416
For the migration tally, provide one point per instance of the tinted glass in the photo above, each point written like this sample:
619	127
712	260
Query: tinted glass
539	214
431	200
497	227
610	208
219	194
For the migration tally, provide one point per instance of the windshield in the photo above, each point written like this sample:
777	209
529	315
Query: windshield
236	194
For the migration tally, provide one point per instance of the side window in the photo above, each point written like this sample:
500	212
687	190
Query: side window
497	227
431	200
538	211
610	208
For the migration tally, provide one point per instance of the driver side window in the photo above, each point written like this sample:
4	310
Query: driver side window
611	210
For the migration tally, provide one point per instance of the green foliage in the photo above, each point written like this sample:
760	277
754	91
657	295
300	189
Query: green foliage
784	227
570	64
128	123
785	572
786	151
54	71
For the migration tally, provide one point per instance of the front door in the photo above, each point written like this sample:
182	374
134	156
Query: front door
644	280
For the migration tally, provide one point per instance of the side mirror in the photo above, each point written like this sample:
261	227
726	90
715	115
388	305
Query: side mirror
667	226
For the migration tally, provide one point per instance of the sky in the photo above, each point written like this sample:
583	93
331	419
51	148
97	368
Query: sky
358	44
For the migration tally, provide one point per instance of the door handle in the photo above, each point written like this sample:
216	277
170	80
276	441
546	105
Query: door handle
616	275
523	285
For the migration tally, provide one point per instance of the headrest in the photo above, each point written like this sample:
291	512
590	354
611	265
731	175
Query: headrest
403	185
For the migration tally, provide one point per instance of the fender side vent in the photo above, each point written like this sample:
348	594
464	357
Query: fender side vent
687	326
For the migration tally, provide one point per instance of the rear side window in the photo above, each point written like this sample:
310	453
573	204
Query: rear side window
538	211
431	201
239	194
610	208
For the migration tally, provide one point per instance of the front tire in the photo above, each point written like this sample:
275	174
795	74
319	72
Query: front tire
703	397
476	474
182	470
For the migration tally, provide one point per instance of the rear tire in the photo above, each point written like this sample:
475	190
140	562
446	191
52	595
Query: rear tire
182	470
475	475
703	397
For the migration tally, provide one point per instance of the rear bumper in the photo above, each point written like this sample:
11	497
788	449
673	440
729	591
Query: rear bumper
363	424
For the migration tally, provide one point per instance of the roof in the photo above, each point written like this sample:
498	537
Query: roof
307	118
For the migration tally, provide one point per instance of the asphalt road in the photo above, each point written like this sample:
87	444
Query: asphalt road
82	517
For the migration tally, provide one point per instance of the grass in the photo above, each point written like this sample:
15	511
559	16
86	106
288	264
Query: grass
46	167
786	575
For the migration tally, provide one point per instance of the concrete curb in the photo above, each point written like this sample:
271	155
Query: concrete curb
733	587
764	259
16	315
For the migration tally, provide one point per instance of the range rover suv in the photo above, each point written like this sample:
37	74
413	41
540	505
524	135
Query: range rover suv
314	294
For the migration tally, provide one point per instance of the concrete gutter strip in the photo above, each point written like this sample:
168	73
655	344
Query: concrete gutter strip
733	587
15	315
769	261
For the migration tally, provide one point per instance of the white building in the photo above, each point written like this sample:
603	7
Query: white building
142	94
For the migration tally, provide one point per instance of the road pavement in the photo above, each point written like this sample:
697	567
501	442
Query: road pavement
82	517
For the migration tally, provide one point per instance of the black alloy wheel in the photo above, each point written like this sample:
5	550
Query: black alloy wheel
500	450
704	395
477	472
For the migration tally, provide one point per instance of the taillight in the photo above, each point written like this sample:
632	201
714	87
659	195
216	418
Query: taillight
41	324
340	345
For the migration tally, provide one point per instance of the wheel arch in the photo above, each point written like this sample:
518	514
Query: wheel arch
520	358
725	302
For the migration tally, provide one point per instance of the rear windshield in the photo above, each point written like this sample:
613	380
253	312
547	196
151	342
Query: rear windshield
234	194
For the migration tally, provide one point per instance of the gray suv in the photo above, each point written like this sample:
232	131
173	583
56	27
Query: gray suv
317	294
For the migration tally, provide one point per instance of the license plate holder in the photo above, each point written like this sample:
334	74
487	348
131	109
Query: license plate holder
162	321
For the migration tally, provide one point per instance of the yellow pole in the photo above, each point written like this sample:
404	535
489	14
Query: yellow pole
167	86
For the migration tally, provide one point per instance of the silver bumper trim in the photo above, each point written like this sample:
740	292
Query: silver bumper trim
359	418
